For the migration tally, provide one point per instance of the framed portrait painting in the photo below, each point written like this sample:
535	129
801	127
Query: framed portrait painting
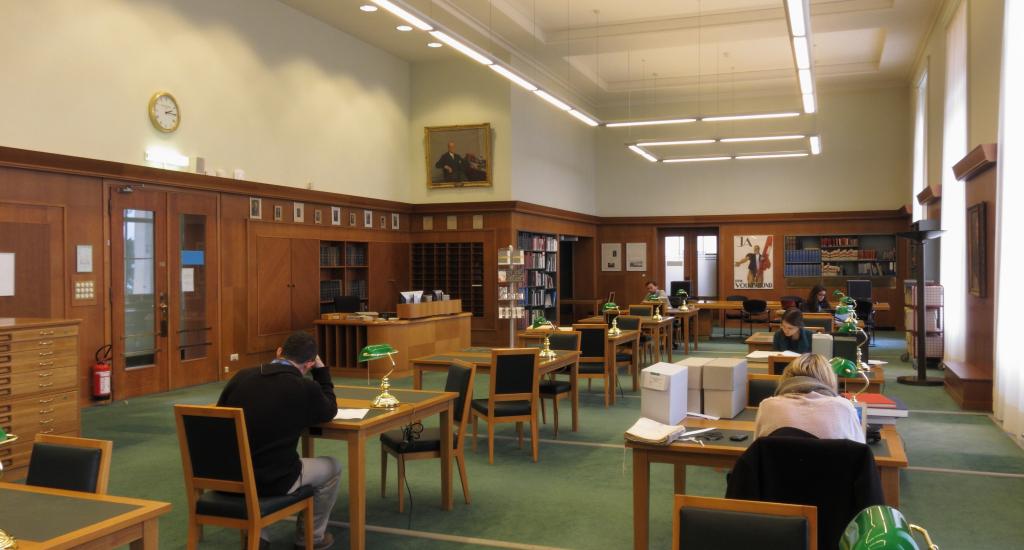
255	208
976	266
458	156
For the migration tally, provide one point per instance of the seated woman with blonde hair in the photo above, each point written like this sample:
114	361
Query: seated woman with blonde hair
807	399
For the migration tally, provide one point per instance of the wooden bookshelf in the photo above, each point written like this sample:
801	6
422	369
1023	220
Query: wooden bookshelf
540	261
344	271
836	258
455	268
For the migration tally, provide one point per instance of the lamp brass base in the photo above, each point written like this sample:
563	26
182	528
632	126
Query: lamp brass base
384	399
7	542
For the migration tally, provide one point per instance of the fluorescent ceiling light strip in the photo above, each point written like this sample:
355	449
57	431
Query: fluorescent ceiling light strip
642	153
797	17
522	82
682	142
747	117
810	104
696	159
553	100
806	81
762	138
584	118
650	122
815	145
464	49
802	52
771	156
401	13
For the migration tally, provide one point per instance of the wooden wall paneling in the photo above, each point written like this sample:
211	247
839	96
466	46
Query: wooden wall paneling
628	285
389	271
305	281
981	187
35	234
585	267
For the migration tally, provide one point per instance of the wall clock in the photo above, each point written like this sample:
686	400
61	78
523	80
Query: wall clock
164	112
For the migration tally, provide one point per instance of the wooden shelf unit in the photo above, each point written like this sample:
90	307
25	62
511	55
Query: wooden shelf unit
540	258
840	257
455	268
344	270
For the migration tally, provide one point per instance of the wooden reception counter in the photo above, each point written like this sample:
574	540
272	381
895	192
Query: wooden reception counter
340	340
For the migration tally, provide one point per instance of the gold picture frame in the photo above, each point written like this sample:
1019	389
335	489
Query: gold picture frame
470	164
976	260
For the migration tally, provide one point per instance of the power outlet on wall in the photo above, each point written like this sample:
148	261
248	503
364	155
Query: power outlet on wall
226	369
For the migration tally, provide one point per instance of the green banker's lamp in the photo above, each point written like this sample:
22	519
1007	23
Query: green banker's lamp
882	528
376	351
540	322
652	297
844	368
6	541
614	330
681	293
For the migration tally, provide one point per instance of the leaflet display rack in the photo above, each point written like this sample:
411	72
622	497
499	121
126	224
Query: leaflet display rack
512	290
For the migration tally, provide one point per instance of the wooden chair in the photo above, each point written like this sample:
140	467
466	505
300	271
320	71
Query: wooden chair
219	482
553	388
735	314
822	320
642	310
70	463
428	445
643	346
708	523
512	396
760	387
593	358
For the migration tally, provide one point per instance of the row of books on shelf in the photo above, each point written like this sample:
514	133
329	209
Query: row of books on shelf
541	297
806	255
839	241
540	278
802	270
858	254
540	260
531	242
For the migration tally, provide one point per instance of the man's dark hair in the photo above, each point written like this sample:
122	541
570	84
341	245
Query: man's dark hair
655	283
299	347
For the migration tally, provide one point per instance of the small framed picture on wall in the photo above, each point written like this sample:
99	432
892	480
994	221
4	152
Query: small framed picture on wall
298	212
335	215
368	219
278	212
383	221
255	208
318	216
352	219
395	219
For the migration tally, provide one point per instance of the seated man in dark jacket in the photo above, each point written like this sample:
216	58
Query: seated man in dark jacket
279	403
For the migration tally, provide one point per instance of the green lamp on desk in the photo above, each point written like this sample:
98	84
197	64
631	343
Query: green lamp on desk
681	293
613	330
384	400
882	528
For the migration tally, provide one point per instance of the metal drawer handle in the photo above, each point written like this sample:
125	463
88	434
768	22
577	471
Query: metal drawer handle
46	411
47	332
46	342
45	353
45	374
47	421
46	363
45	401
46	385
46	431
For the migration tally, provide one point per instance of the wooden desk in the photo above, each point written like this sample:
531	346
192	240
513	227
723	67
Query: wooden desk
890	457
481	358
591	304
414	406
341	340
55	519
760	341
684	321
876	378
629	338
660	331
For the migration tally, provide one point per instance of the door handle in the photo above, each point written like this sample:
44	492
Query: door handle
163	314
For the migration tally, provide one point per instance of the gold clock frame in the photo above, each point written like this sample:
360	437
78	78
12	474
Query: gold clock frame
152	111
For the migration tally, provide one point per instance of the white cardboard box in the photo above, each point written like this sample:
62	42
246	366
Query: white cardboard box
728	374
822	343
663	393
694	403
725	403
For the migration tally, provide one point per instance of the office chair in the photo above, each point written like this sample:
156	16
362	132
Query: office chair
754	311
736	314
512	396
555	389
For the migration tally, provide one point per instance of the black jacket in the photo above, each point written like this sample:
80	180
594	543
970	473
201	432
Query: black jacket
838	476
456	163
279	403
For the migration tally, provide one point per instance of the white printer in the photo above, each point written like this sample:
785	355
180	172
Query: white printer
663	393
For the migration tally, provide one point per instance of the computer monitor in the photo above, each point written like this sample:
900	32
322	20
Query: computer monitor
674	287
347	304
858	289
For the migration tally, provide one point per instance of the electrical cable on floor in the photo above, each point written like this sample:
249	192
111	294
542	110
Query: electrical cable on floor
408	491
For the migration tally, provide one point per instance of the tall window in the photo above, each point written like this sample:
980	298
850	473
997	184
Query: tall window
920	144
1008	402
952	262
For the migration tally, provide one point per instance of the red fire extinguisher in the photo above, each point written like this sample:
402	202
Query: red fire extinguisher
101	373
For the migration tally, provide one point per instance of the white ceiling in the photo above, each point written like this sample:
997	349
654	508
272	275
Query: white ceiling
634	53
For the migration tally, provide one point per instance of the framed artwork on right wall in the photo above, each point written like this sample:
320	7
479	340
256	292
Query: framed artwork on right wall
976	266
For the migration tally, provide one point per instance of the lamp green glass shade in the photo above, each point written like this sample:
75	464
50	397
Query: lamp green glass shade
652	297
878	528
609	306
848	301
539	322
843	367
682	293
843	310
3	434
376	351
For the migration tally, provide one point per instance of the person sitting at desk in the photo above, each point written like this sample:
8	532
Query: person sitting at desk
655	294
817	300
279	403
792	336
808	399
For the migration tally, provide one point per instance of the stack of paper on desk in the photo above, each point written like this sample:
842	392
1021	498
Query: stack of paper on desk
762	356
649	431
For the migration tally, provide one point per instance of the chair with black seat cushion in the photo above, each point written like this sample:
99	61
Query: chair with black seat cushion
760	387
734	314
644	343
786	466
866	312
642	310
219	481
70	463
428	443
593	354
708	523
554	388
512	396
754	311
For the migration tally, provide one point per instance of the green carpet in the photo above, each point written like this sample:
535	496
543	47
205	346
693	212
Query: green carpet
580	495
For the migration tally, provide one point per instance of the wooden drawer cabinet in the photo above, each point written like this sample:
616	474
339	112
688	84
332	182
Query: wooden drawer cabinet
38	385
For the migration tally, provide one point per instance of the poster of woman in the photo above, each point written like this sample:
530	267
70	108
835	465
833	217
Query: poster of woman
752	262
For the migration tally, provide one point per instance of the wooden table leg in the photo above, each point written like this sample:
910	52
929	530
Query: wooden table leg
417	377
679	478
308	445
890	485
686	334
150	536
357	491
446	458
611	373
573	378
669	343
641	498
696	330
